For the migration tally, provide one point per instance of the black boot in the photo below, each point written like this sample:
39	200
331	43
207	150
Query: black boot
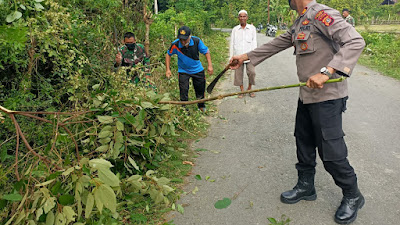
347	211
304	190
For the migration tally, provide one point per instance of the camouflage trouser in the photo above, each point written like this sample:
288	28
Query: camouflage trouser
133	77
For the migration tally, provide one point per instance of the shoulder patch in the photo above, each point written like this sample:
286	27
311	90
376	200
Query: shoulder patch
325	18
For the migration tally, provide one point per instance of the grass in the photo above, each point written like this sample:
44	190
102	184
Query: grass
379	28
382	53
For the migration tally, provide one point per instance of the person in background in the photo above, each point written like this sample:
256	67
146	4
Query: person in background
131	54
348	18
187	48
243	39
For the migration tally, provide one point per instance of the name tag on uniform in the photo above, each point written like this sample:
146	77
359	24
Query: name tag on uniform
305	28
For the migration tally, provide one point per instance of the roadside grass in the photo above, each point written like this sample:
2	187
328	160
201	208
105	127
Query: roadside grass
379	28
382	53
141	210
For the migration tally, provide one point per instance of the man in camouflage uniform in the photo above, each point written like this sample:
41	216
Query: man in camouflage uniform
130	55
326	46
348	18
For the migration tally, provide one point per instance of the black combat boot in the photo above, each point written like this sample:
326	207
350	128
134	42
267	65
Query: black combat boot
347	211
304	190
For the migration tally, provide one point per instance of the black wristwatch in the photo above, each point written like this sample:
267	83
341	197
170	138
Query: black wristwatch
325	71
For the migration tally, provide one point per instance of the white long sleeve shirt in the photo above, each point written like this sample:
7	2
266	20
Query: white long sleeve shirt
243	40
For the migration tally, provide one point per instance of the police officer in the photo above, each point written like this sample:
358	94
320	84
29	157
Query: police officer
325	47
131	54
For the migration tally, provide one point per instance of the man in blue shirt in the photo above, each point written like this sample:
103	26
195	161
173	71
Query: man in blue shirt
187	48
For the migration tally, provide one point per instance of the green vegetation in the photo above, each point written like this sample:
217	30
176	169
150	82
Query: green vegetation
382	53
114	155
388	28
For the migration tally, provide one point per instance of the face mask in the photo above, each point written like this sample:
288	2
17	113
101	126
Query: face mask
131	46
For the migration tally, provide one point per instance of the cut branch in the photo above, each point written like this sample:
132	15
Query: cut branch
244	92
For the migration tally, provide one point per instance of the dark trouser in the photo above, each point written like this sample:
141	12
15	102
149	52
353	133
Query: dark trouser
199	83
320	125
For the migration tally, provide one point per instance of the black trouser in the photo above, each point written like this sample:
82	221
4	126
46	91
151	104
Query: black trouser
320	125
199	83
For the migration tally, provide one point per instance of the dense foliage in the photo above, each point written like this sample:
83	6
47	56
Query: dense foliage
382	52
224	13
104	161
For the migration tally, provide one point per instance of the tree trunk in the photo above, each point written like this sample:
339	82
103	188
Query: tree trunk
148	21
155	7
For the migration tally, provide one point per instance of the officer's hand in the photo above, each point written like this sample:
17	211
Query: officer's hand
168	73
317	80
118	58
240	59
210	70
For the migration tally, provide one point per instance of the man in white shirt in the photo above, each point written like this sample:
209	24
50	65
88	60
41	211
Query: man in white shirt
243	40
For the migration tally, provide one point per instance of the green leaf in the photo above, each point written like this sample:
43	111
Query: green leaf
147	105
100	163
195	190
105	119
163	181
45	183
60	219
49	204
133	163
50	218
107	196
167	189
13	197
66	200
105	141
102	148
104	134
68	171
156	195
69	214
96	86
108	177
177	180
180	209
89	205
120	126
197	177
39	0
13	16
22	7
38	7
222	204
97	198
272	220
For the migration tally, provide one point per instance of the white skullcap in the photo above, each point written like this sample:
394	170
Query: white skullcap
242	11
